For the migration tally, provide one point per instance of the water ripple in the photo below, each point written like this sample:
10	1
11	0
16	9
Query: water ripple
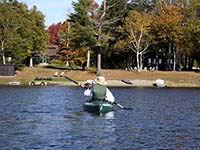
51	117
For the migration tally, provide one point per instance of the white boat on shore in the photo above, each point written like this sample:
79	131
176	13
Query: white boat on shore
159	83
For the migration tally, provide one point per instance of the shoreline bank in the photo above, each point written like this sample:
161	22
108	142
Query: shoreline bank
114	77
113	83
135	83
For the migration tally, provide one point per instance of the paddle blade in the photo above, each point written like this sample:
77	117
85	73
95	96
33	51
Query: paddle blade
128	108
122	107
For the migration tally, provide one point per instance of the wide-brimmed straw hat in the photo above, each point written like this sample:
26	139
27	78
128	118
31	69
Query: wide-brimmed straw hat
101	80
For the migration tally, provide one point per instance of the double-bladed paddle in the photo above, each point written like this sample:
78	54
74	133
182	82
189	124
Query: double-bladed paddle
71	80
122	107
119	105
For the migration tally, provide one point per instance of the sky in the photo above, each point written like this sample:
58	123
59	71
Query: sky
54	10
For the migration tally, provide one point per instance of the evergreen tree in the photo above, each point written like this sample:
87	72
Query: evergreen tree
81	30
116	12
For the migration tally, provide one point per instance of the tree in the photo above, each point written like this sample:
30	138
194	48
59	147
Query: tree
64	41
142	5
191	29
100	23
137	27
8	25
167	26
106	22
53	31
38	35
81	29
22	31
113	19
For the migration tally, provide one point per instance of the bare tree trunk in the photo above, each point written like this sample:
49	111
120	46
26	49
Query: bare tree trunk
174	61
141	63
67	57
88	58
137	60
99	64
99	38
157	61
67	62
3	52
31	62
3	56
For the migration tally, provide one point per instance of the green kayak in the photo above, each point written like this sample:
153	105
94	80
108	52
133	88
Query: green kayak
99	107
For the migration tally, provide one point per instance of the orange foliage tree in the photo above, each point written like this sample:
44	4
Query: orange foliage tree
167	26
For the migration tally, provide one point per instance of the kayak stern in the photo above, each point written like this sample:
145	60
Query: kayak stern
98	107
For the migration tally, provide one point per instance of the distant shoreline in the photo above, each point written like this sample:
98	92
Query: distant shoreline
135	83
114	77
113	83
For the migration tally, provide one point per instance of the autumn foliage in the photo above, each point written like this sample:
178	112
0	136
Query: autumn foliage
128	33
53	31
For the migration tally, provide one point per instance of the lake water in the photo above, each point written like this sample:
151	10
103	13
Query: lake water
51	118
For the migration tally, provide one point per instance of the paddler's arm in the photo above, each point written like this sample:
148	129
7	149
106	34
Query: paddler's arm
88	93
109	96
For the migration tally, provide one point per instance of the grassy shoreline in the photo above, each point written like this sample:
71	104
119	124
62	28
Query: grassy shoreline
114	77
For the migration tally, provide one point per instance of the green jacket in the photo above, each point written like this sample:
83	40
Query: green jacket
99	92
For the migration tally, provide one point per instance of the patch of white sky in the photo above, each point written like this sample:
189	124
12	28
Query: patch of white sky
55	11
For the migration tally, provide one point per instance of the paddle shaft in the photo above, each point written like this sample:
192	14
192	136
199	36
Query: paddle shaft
71	80
122	107
119	105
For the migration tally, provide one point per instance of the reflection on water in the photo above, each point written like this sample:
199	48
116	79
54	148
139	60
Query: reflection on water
51	117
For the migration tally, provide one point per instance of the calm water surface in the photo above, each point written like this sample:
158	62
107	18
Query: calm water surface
51	118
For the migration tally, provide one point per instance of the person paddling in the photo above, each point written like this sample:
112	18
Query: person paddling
108	96
97	90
